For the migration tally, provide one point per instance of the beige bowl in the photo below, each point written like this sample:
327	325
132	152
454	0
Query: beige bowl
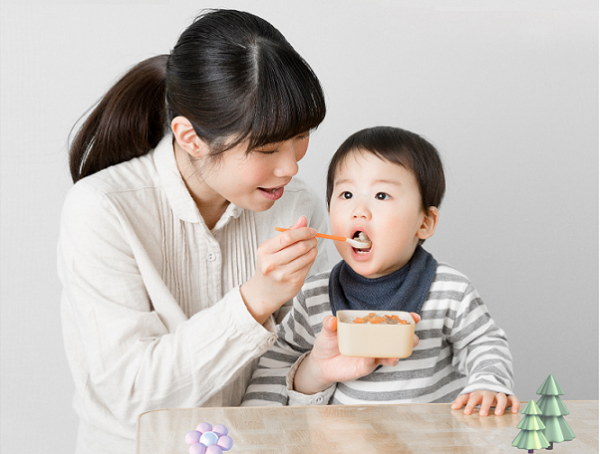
375	341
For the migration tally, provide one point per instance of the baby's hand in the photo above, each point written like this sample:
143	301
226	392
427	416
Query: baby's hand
326	365
486	399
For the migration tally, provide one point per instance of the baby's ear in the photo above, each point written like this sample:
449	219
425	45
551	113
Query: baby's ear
429	224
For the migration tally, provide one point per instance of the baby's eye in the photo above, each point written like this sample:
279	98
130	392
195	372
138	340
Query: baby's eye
382	196
346	195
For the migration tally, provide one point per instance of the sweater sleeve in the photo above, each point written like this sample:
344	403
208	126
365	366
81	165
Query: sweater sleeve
272	381
480	348
133	357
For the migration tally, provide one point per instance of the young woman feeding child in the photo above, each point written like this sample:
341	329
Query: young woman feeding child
167	255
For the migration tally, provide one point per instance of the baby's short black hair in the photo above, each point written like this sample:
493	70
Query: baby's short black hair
398	146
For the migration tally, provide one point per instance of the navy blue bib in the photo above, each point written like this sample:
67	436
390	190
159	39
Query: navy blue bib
404	290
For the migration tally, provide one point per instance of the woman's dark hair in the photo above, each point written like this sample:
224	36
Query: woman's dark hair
402	147
231	74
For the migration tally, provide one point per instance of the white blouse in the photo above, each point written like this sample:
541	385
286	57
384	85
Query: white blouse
151	309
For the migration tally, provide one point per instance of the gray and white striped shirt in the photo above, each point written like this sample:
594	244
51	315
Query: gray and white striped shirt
460	350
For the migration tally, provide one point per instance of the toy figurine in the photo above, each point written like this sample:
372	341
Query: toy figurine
207	439
553	409
531	436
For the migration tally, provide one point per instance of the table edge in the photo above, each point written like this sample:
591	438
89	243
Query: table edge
314	406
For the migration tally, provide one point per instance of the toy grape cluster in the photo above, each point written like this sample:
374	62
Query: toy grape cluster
207	439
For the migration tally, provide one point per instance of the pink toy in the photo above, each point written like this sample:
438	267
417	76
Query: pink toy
197	448
193	436
207	439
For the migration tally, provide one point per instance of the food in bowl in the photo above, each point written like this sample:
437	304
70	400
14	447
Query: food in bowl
374	319
370	334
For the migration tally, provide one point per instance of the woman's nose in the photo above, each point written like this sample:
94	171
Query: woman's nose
287	166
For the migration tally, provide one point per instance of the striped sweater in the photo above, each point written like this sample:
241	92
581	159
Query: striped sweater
460	350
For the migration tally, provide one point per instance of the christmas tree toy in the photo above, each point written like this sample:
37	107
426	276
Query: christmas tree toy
553	409
531	436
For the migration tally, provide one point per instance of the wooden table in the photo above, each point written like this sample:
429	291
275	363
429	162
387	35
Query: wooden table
381	429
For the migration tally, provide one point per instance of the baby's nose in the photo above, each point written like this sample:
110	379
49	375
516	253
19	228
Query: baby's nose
361	211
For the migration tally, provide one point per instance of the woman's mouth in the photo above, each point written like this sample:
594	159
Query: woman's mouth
272	193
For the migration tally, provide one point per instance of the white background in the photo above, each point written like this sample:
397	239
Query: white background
507	90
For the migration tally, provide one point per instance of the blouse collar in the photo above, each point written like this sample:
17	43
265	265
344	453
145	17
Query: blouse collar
179	198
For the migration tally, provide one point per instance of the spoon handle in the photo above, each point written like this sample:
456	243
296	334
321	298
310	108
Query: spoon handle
319	235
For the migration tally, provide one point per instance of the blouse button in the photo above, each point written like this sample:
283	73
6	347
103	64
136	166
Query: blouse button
318	400
211	256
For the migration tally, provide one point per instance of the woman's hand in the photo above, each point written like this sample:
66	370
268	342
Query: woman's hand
282	265
325	365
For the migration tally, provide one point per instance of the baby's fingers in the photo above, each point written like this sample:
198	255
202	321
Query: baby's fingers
514	403
330	325
486	403
501	400
474	399
460	401
416	317
389	362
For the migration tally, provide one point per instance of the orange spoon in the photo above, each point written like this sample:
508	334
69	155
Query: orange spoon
354	243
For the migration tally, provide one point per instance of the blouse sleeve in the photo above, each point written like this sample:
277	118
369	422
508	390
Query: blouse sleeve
134	358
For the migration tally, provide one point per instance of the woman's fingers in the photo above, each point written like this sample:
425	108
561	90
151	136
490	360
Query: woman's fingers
301	222
287	265
288	238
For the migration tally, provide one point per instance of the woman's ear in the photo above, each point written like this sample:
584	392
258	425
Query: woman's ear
429	224
186	137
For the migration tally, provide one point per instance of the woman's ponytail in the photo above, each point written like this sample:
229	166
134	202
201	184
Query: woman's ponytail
128	122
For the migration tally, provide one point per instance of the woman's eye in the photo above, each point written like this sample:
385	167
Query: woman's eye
346	195
264	151
382	196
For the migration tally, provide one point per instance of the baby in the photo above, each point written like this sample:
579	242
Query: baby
388	184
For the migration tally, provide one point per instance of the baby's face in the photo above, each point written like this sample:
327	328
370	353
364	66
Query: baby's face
381	199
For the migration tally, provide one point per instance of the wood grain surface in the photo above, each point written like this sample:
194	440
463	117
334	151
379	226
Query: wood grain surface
349	429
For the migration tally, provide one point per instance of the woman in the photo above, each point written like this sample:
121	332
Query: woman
170	267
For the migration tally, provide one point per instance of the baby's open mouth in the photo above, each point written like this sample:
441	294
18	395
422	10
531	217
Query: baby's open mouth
363	238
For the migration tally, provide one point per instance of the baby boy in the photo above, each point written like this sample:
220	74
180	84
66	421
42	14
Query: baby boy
388	184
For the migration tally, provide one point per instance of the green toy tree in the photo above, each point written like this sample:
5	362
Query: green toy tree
553	409
531	436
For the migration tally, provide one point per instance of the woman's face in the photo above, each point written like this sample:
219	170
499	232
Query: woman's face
253	180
